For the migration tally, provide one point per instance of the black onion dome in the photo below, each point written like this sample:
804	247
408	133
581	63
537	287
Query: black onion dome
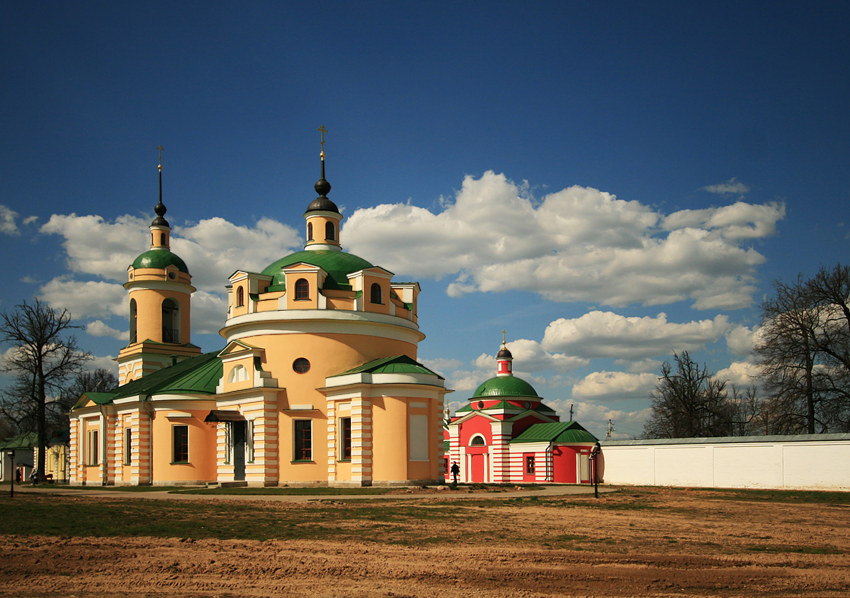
504	353
322	204
160	210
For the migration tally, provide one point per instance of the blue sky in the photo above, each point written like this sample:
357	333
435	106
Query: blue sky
608	182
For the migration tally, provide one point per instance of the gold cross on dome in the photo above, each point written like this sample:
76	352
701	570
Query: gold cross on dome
503	337
322	130
160	148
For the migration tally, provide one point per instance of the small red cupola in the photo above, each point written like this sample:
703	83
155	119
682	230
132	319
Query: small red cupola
504	359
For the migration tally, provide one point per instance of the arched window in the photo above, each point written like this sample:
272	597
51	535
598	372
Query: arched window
238	373
240	296
375	293
302	290
132	321
309	231
477	440
162	239
170	321
330	231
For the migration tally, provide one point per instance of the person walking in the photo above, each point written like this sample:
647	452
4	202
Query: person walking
455	472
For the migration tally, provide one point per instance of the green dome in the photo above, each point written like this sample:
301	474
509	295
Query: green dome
505	386
337	264
160	258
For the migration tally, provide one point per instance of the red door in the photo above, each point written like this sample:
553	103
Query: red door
476	468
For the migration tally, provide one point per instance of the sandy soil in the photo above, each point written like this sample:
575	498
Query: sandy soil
632	543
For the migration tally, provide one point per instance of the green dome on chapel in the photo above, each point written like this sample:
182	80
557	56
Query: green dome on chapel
337	264
160	258
505	386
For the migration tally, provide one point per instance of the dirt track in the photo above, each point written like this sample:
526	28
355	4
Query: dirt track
633	543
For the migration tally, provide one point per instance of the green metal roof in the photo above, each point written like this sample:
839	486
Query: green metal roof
397	364
160	258
504	386
337	264
195	375
21	441
561	432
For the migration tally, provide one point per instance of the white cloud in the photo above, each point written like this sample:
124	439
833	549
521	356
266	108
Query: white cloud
740	373
740	340
7	221
607	334
734	222
615	385
214	248
529	356
95	246
731	187
441	364
209	311
99	328
102	362
86	299
594	417
578	244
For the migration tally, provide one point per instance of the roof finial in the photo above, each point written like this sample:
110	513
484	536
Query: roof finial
503	337
322	186
159	208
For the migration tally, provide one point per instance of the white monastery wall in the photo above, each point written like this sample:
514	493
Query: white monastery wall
819	461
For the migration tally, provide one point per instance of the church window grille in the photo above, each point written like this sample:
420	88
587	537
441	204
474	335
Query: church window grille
301	365
345	439
303	449
128	446
477	440
93	448
529	464
180	444
330	231
302	290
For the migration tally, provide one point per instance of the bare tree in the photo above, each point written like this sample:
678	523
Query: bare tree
804	352
688	402
43	356
98	380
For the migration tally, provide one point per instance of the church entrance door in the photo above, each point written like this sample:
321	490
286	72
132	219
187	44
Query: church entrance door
476	468
240	430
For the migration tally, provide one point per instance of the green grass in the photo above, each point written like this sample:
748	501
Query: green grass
299	491
790	496
383	521
797	549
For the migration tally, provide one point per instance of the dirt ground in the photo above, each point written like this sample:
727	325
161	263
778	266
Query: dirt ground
636	542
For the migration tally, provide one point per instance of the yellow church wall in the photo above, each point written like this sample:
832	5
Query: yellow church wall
201	466
239	374
311	275
149	313
242	309
318	224
302	471
389	439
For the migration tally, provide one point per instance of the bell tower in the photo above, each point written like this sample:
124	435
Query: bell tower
160	291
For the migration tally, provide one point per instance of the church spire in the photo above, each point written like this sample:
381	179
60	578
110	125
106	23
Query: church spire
160	229
322	215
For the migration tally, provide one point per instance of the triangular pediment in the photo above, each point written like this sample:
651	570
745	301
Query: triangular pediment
239	348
